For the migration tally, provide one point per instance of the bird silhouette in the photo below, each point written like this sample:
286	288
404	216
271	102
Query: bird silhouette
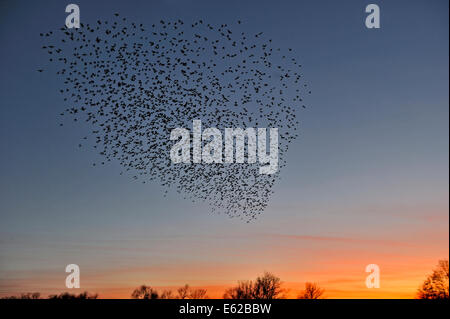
133	85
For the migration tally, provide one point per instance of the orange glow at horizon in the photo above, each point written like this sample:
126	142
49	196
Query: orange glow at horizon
342	276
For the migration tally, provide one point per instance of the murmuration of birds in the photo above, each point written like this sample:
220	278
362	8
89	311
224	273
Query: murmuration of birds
134	84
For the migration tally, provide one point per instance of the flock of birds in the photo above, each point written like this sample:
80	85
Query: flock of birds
133	86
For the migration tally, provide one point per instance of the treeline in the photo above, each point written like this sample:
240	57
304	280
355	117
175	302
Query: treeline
185	292
266	286
64	295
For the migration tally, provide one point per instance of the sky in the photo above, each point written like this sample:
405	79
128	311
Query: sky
365	183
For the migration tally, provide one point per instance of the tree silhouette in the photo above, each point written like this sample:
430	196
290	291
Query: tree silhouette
66	295
144	292
167	294
312	291
183	292
187	292
267	286
436	284
244	290
28	295
198	294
